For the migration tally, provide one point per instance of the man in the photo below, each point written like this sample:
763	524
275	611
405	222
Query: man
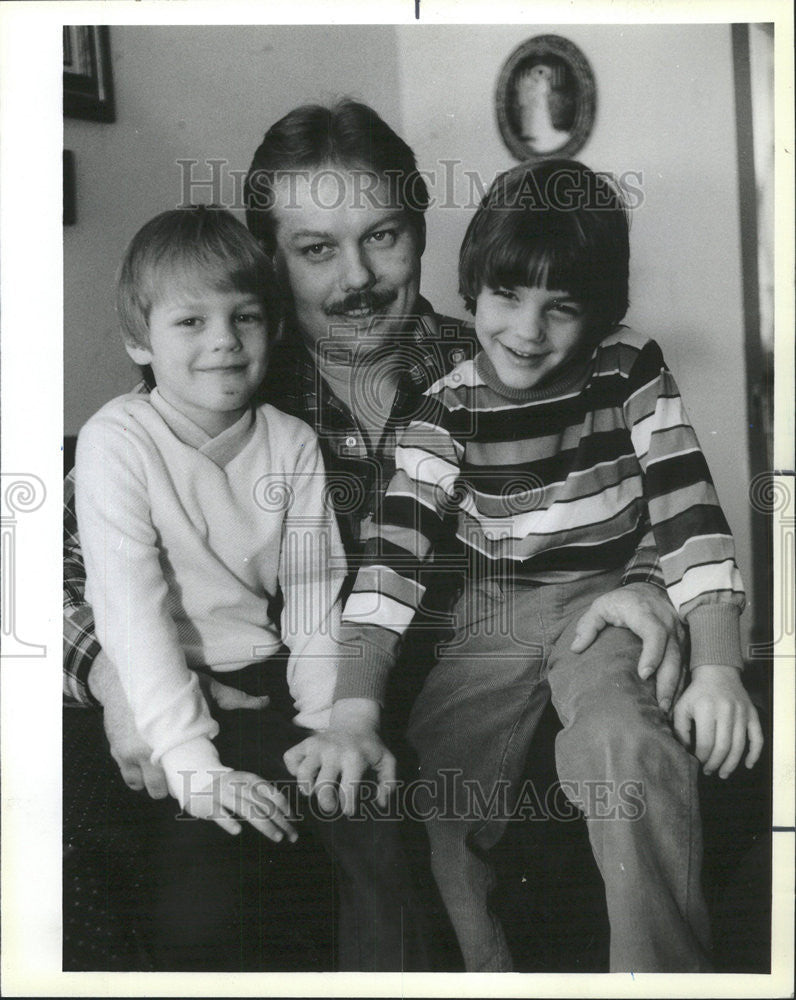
336	198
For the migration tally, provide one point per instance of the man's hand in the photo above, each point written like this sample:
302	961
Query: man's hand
331	764
718	706
647	611
246	796
128	748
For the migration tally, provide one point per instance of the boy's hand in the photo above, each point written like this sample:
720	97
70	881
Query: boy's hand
331	763
247	796
721	711
130	751
647	611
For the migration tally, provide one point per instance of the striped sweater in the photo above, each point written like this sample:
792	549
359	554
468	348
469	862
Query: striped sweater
547	485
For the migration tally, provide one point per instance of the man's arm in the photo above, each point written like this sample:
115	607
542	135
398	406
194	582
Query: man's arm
80	643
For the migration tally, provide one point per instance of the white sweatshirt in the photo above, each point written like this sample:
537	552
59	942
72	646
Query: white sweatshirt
186	539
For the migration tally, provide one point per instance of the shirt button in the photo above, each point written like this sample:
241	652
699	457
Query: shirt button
351	442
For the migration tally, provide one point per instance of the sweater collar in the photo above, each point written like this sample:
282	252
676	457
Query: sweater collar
572	377
220	449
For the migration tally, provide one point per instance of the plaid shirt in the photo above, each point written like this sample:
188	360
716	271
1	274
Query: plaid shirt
357	472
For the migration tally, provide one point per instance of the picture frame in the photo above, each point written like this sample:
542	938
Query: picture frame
545	99
88	74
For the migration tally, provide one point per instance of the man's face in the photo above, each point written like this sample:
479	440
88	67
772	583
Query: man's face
351	258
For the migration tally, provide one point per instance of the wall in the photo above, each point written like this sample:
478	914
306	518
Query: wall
182	93
665	107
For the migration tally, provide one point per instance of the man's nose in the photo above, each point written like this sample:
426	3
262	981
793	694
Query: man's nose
356	273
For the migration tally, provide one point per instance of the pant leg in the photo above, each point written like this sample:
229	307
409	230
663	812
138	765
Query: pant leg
618	759
381	926
471	726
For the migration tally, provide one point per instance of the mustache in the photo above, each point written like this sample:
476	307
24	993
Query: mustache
374	300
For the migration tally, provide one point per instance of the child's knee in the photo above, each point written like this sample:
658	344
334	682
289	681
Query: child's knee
618	731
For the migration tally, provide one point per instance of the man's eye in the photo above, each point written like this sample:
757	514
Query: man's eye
316	251
189	321
505	293
249	317
384	237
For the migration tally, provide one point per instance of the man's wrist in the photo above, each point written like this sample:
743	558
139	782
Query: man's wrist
98	679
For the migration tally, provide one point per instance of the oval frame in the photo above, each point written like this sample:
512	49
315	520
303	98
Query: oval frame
537	48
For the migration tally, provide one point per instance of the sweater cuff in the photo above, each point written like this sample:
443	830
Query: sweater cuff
364	673
715	635
191	768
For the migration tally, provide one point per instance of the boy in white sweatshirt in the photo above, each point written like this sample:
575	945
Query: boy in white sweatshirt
195	509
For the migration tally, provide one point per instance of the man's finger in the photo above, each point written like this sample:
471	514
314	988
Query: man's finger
589	626
654	639
669	673
230	698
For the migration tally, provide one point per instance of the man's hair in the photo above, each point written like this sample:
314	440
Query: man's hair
349	135
555	224
196	246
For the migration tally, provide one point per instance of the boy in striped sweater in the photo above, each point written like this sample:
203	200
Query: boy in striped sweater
552	455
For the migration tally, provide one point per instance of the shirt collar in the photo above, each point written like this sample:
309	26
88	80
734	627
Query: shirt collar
221	448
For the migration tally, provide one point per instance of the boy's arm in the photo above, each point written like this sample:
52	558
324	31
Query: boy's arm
691	533
387	591
312	571
383	602
129	595
698	563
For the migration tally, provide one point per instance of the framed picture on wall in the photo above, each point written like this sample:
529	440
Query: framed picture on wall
88	77
545	99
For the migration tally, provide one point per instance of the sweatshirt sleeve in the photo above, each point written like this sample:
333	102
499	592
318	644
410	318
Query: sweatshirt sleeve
387	591
693	539
312	570
129	595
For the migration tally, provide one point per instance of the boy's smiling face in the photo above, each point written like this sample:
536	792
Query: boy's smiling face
529	334
208	349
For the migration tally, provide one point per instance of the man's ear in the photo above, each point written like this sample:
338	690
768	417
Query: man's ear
141	355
